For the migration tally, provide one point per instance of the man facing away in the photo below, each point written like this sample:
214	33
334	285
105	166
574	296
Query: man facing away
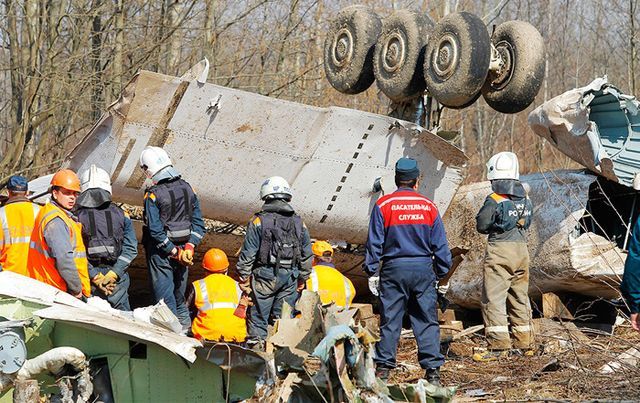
17	218
407	244
275	259
109	236
505	217
213	300
329	283
173	227
57	255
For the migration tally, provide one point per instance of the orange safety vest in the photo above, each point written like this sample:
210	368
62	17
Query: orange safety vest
331	285
16	220
41	266
217	297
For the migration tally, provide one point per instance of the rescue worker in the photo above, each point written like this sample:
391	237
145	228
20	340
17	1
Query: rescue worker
173	227
213	300
630	286
17	218
109	237
505	217
329	283
275	259
407	245
57	254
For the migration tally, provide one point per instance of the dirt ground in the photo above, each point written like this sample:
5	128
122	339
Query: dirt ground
572	369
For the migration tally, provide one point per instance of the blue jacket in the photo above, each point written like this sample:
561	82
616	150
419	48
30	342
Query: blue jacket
156	229
405	228
630	286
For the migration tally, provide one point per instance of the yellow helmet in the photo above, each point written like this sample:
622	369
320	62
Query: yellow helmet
322	248
215	261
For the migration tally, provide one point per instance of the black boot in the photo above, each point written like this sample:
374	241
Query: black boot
432	375
382	373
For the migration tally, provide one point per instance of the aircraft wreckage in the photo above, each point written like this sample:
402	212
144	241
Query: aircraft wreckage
339	162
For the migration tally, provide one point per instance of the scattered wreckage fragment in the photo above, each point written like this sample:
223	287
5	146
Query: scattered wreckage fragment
128	359
597	126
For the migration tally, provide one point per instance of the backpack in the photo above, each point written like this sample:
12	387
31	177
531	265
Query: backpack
281	240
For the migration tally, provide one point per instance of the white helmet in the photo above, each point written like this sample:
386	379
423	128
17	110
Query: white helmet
503	165
275	187
153	159
95	177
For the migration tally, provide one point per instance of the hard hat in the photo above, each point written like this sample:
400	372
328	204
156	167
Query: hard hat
319	248
67	179
215	261
153	159
95	177
503	165
275	187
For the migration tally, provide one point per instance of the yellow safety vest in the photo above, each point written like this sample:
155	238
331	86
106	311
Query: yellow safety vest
217	297
41	266
331	285
17	221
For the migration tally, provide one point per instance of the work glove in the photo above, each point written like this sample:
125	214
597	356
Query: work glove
98	280
442	288
374	285
110	278
300	286
245	286
187	254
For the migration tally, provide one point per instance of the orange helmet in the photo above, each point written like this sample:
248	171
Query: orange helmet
215	261
322	248
67	179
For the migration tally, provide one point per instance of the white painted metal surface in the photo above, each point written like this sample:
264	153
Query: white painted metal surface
225	142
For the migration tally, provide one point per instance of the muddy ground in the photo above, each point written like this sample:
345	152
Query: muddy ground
561	370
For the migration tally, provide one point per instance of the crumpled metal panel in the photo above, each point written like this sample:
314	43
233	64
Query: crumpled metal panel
596	126
225	142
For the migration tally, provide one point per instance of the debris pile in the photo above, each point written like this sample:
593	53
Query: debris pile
326	354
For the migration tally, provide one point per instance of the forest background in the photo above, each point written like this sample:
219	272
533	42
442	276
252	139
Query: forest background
62	62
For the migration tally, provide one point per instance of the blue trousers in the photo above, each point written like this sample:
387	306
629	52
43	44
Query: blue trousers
412	289
169	282
270	291
120	297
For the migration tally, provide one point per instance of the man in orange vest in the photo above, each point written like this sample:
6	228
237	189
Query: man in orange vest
17	218
57	255
213	300
329	283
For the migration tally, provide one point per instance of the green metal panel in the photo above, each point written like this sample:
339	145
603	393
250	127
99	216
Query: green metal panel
160	376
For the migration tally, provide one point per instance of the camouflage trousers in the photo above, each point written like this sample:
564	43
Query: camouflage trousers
505	296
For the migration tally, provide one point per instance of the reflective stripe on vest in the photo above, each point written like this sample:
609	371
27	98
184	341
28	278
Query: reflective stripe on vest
101	249
17	222
41	266
179	233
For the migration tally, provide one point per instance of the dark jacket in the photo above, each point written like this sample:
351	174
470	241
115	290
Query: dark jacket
155	229
247	261
506	213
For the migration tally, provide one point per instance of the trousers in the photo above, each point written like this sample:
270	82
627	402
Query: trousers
505	296
408	289
169	283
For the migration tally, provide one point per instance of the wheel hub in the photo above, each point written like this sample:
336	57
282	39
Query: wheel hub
394	52
342	49
500	77
446	57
